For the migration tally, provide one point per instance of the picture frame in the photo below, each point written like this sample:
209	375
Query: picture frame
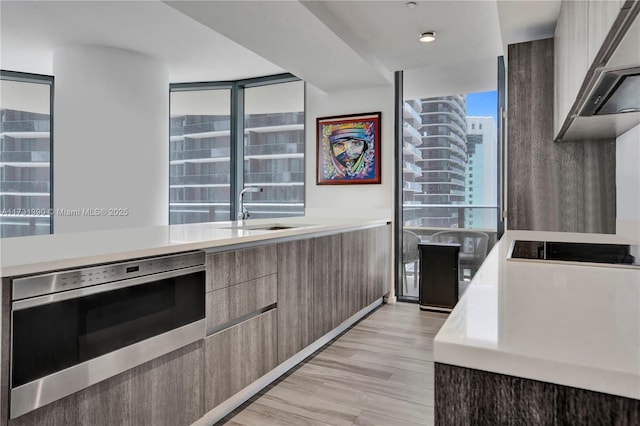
348	149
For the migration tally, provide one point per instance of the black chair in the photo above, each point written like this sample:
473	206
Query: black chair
410	254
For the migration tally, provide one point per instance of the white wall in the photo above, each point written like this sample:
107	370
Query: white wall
628	184
366	201
111	111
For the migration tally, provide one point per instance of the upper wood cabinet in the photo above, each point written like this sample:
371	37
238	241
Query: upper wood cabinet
587	35
570	58
602	15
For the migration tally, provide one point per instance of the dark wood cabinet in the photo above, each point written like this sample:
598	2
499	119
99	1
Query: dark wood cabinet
238	356
326	265
286	295
355	272
238	266
294	297
165	391
230	303
366	260
379	252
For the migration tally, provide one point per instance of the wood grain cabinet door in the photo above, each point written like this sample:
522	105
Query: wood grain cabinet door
230	303
366	263
327	284
238	356
164	392
294	298
355	272
379	249
238	266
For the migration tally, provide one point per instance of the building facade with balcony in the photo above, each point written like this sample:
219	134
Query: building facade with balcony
444	161
25	176
200	166
411	158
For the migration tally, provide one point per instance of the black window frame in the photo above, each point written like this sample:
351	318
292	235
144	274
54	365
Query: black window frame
237	115
49	80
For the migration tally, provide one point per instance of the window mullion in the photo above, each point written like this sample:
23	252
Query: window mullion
237	146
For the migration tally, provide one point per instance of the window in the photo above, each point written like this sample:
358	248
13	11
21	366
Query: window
199	156
212	124
454	181
26	127
274	149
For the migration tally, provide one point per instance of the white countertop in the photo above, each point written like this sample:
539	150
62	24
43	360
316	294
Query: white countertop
571	324
31	255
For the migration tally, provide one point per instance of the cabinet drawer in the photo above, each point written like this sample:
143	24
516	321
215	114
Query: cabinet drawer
231	302
238	356
238	266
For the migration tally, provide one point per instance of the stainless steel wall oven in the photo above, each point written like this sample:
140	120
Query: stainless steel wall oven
74	328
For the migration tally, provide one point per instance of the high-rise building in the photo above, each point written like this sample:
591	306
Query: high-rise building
481	176
25	187
411	155
443	162
200	166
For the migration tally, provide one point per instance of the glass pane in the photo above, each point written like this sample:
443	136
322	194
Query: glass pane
450	179
274	150
25	156
199	162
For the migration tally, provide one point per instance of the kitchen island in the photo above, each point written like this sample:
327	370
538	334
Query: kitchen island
542	342
264	295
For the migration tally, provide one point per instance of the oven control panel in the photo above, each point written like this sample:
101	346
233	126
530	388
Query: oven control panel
37	285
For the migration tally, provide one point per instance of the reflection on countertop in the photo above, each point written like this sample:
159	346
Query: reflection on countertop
567	323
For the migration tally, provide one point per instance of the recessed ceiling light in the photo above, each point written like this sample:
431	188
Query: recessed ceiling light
411	4
428	37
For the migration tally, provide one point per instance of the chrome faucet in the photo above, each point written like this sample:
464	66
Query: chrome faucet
243	213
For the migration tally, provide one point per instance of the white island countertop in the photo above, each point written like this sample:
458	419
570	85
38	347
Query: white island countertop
565	323
32	255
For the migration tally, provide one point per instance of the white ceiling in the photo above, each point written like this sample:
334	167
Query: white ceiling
334	45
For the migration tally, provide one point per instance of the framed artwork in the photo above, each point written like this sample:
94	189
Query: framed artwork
348	149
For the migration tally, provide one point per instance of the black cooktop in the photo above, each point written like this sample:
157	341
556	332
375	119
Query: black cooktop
618	254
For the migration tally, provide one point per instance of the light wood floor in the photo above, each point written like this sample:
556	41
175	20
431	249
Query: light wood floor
380	372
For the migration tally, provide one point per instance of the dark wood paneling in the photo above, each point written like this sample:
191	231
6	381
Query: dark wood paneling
379	248
234	301
238	356
168	390
563	186
238	266
5	348
366	267
465	396
327	284
355	272
165	391
294	298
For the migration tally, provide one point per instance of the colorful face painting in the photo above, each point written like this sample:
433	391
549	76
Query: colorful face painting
349	149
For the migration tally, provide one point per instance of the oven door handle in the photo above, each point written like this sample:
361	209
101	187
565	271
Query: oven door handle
101	288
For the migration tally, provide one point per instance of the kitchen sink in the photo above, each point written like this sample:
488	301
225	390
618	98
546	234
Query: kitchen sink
266	227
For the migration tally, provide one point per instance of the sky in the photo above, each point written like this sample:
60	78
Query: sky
483	104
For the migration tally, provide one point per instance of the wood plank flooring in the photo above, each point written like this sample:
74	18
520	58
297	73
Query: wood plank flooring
377	373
